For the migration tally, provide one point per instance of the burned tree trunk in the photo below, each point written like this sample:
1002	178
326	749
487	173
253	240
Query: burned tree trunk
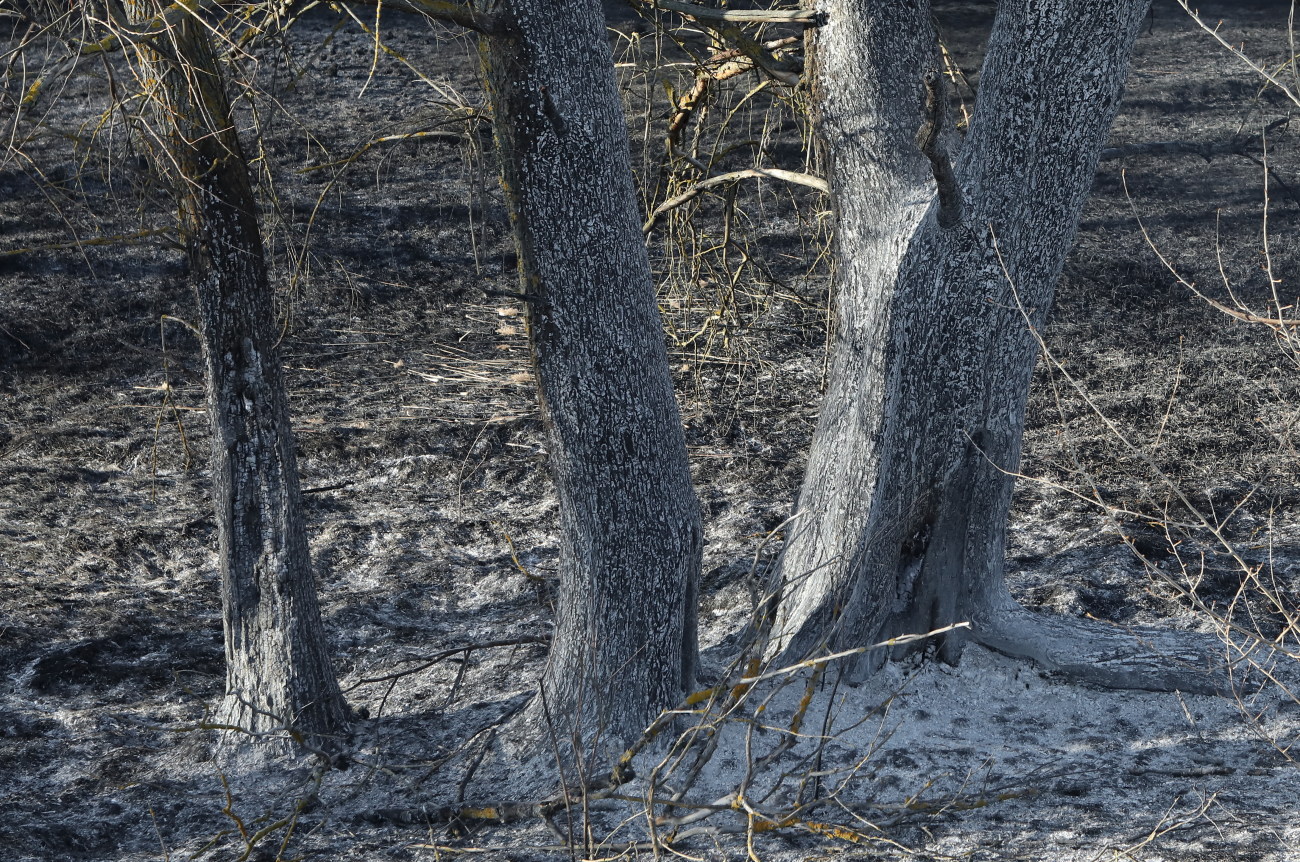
279	682
944	268
630	544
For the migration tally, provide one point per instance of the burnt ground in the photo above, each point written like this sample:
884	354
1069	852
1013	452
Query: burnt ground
431	516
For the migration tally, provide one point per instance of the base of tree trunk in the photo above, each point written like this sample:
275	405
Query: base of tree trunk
247	738
527	759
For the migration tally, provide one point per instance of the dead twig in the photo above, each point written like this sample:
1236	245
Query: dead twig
429	661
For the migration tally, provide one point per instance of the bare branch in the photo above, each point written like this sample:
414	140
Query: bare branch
806	17
1238	53
720	67
702	186
723	22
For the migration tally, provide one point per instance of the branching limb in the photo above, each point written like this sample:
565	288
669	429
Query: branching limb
720	67
928	139
161	23
724	23
783	71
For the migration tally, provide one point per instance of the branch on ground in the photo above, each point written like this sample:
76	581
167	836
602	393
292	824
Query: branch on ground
429	661
1111	656
1238	145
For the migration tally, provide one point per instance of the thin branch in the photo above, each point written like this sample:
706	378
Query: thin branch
429	661
1238	53
812	182
806	17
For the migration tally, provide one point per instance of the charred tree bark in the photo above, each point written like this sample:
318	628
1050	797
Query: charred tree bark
630	545
278	673
943	269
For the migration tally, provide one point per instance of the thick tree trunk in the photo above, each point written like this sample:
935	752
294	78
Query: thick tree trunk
278	673
903	511
630	544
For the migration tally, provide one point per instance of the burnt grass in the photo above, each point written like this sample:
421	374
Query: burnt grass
422	454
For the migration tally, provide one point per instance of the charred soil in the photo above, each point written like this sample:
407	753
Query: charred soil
431	516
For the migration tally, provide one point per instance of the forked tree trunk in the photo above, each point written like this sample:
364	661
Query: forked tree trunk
278	673
630	544
903	511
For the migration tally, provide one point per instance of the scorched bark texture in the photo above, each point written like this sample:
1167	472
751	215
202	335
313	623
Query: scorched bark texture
630	544
278	673
903	511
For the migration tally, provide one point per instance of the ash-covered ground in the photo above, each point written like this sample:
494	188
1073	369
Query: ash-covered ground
432	520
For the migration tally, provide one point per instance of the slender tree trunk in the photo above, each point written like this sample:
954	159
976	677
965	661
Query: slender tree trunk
903	512
278	673
630	544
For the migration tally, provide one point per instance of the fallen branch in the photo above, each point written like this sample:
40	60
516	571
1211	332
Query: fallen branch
498	813
1238	145
120	239
430	134
323	488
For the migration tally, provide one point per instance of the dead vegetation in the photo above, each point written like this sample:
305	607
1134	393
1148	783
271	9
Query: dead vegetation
1160	472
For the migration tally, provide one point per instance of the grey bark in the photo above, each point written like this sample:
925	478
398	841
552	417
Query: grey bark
903	511
630	544
278	673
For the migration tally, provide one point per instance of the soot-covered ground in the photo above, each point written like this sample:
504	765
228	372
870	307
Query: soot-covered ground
431	516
